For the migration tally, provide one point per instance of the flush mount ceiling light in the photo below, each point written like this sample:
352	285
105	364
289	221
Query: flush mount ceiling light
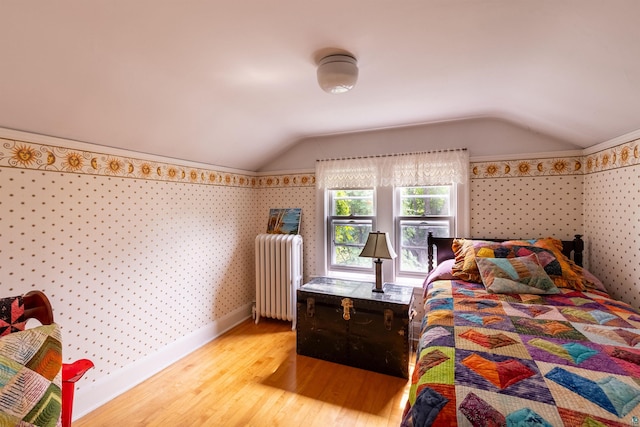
337	73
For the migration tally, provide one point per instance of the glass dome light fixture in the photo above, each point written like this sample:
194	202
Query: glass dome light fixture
337	73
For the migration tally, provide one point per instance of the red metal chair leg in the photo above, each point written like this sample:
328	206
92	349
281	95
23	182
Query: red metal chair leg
71	372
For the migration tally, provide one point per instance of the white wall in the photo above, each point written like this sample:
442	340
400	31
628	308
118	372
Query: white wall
527	198
612	217
294	195
143	260
482	137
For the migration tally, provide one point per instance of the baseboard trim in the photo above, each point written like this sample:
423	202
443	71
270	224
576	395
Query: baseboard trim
89	398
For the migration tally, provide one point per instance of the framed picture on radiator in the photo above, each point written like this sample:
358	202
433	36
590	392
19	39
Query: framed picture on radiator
284	221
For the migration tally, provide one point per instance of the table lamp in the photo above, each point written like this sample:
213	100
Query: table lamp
378	246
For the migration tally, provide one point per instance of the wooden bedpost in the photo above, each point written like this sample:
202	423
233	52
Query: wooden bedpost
578	247
430	250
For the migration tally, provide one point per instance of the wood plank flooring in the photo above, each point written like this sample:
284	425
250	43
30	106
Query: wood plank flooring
252	376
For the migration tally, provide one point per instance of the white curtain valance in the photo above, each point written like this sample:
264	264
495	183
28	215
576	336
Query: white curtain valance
400	170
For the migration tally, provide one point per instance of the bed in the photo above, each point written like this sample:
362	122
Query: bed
518	333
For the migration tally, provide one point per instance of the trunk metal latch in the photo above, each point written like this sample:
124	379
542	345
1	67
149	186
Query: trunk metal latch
347	303
388	318
311	307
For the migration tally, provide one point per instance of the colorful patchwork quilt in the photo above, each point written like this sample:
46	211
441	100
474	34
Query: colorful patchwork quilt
31	377
566	359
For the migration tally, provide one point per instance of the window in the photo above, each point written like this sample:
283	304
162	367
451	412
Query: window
420	210
350	221
406	195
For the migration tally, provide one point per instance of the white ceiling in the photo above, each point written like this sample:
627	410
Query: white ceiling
232	83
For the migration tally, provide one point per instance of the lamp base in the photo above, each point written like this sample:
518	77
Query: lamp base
378	287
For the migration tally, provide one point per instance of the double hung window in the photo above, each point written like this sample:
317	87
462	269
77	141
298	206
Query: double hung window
420	210
352	217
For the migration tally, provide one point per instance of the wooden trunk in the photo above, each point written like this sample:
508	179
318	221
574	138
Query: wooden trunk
372	332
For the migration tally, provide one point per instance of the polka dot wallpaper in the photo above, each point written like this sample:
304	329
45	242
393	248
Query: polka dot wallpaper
527	207
527	198
130	265
612	219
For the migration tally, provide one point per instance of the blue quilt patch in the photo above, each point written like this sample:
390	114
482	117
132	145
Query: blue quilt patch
609	393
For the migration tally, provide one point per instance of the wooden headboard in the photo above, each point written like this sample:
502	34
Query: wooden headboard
443	251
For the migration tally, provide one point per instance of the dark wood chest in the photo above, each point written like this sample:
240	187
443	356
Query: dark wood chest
343	321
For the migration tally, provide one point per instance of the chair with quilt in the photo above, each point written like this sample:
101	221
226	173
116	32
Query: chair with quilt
36	388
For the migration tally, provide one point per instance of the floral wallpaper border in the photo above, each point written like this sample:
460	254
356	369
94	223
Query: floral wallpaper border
528	168
627	154
27	155
622	155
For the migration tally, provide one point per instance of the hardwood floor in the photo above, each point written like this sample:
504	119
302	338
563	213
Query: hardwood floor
252	376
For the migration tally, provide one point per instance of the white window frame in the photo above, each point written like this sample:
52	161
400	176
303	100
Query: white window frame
426	221
385	221
339	219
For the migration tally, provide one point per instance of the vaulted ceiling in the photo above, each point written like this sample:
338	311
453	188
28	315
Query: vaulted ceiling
233	83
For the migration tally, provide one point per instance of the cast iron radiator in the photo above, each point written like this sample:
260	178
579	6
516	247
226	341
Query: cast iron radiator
278	275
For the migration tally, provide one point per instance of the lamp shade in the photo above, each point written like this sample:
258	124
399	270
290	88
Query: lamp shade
378	246
337	73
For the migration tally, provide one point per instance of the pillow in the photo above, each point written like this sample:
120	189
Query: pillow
465	250
11	315
520	275
589	279
464	267
31	376
567	276
442	272
549	251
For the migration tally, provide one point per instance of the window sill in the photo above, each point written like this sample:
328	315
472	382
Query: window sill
415	282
